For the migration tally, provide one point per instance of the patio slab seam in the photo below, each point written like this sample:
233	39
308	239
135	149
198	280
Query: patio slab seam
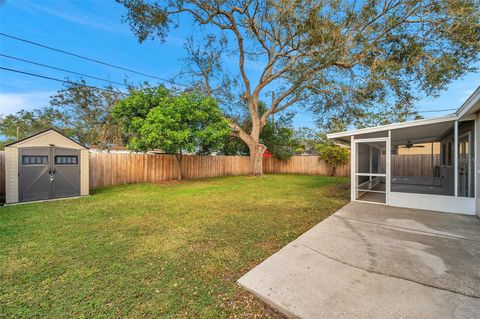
385	274
406	229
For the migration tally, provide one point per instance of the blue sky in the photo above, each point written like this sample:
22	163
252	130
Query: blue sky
94	29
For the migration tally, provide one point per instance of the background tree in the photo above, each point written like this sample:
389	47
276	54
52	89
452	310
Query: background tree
278	135
333	155
25	123
307	140
157	118
364	118
80	112
233	146
87	114
336	56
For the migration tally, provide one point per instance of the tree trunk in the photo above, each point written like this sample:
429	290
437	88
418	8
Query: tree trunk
256	159
179	162
254	146
333	171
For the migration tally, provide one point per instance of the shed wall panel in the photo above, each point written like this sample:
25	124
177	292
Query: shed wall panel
84	171
11	175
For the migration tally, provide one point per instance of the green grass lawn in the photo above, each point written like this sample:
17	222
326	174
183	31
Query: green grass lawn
155	250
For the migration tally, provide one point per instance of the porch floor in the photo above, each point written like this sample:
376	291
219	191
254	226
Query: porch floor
373	197
403	188
420	189
374	261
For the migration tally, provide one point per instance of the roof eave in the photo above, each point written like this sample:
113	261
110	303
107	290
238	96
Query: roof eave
471	105
446	118
41	132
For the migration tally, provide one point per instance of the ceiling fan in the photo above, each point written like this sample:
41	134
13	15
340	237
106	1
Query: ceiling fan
409	144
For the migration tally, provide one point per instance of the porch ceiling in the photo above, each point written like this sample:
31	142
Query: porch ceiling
421	134
400	135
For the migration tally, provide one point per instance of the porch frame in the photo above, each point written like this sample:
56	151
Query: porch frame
355	174
452	204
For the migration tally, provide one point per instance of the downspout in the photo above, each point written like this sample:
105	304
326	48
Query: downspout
455	159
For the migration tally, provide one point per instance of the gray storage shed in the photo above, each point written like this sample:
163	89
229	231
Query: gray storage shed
47	165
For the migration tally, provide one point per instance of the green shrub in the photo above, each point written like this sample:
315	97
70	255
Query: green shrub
333	155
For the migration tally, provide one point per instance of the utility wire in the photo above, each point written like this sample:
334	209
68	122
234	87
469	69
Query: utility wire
90	59
433	111
84	7
95	12
63	70
426	111
60	80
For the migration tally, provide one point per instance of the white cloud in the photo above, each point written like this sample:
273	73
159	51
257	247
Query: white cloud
85	21
80	19
14	102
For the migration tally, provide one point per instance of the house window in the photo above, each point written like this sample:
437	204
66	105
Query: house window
444	154
65	160
34	159
449	154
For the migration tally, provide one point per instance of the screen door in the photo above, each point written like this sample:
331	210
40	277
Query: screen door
370	176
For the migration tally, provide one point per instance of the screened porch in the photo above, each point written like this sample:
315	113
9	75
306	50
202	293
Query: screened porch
430	159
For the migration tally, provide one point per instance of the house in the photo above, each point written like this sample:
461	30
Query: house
447	181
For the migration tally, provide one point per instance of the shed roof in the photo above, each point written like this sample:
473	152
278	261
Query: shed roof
31	137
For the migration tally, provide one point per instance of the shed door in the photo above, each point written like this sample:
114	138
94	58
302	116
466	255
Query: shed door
33	169
66	172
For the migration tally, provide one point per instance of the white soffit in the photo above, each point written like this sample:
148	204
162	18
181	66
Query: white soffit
421	133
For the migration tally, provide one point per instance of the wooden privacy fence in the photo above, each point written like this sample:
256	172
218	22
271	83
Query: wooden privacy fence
304	164
421	165
112	169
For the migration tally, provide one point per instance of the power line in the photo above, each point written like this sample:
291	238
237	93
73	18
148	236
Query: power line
63	70
84	7
433	111
60	80
426	111
90	59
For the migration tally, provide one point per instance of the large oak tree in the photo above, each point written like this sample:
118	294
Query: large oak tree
337	57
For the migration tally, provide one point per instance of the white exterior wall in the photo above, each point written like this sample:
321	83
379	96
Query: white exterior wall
46	139
446	204
477	166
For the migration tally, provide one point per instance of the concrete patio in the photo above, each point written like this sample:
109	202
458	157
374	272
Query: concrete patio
374	261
